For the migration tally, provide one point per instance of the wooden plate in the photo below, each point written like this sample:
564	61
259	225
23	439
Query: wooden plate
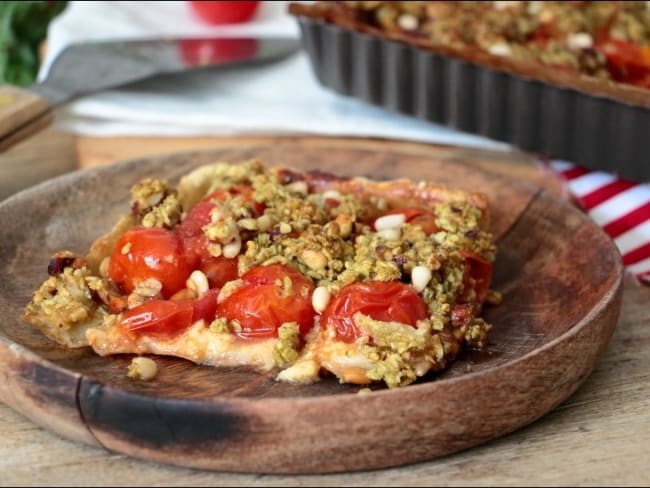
560	274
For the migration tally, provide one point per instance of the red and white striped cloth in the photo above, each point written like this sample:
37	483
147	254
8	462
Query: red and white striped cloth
621	207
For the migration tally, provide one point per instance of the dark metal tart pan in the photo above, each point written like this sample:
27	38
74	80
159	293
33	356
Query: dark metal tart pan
600	124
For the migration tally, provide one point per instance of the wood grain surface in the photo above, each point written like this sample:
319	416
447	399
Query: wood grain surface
596	437
22	113
560	275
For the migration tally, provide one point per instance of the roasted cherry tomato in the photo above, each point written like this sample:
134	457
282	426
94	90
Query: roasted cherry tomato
387	301
159	317
205	307
167	317
627	62
195	243
418	216
219	270
190	229
143	253
477	277
264	302
224	12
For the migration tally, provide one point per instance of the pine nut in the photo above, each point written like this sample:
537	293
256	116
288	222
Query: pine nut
408	22
215	215
264	223
198	282
232	249
390	234
248	224
298	187
500	49
580	40
142	368
314	259
184	294
104	266
332	195
320	299
390	222
420	277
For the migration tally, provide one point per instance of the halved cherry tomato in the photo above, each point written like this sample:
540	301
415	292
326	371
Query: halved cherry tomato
477	277
143	253
418	216
159	317
167	317
263	303
387	301
205	307
219	270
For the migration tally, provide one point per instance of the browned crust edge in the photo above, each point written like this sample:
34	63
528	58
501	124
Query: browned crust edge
620	92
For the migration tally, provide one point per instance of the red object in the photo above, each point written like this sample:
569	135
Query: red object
627	62
195	243
418	216
143	253
263	303
205	307
224	12
219	270
202	52
387	301
166	318
159	317
477	277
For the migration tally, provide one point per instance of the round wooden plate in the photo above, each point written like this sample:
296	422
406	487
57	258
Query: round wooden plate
560	275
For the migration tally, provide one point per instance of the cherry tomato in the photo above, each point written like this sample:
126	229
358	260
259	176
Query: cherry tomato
224	12
477	277
387	301
418	216
627	62
143	253
195	243
159	317
544	33
263	304
219	270
205	307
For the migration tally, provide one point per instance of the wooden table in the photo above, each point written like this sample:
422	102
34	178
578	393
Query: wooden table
600	436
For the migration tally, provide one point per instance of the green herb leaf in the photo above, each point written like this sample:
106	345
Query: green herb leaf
23	27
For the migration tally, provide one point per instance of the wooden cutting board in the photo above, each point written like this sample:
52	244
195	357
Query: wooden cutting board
560	275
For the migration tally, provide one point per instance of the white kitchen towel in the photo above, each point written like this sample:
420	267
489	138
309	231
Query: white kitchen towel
286	98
